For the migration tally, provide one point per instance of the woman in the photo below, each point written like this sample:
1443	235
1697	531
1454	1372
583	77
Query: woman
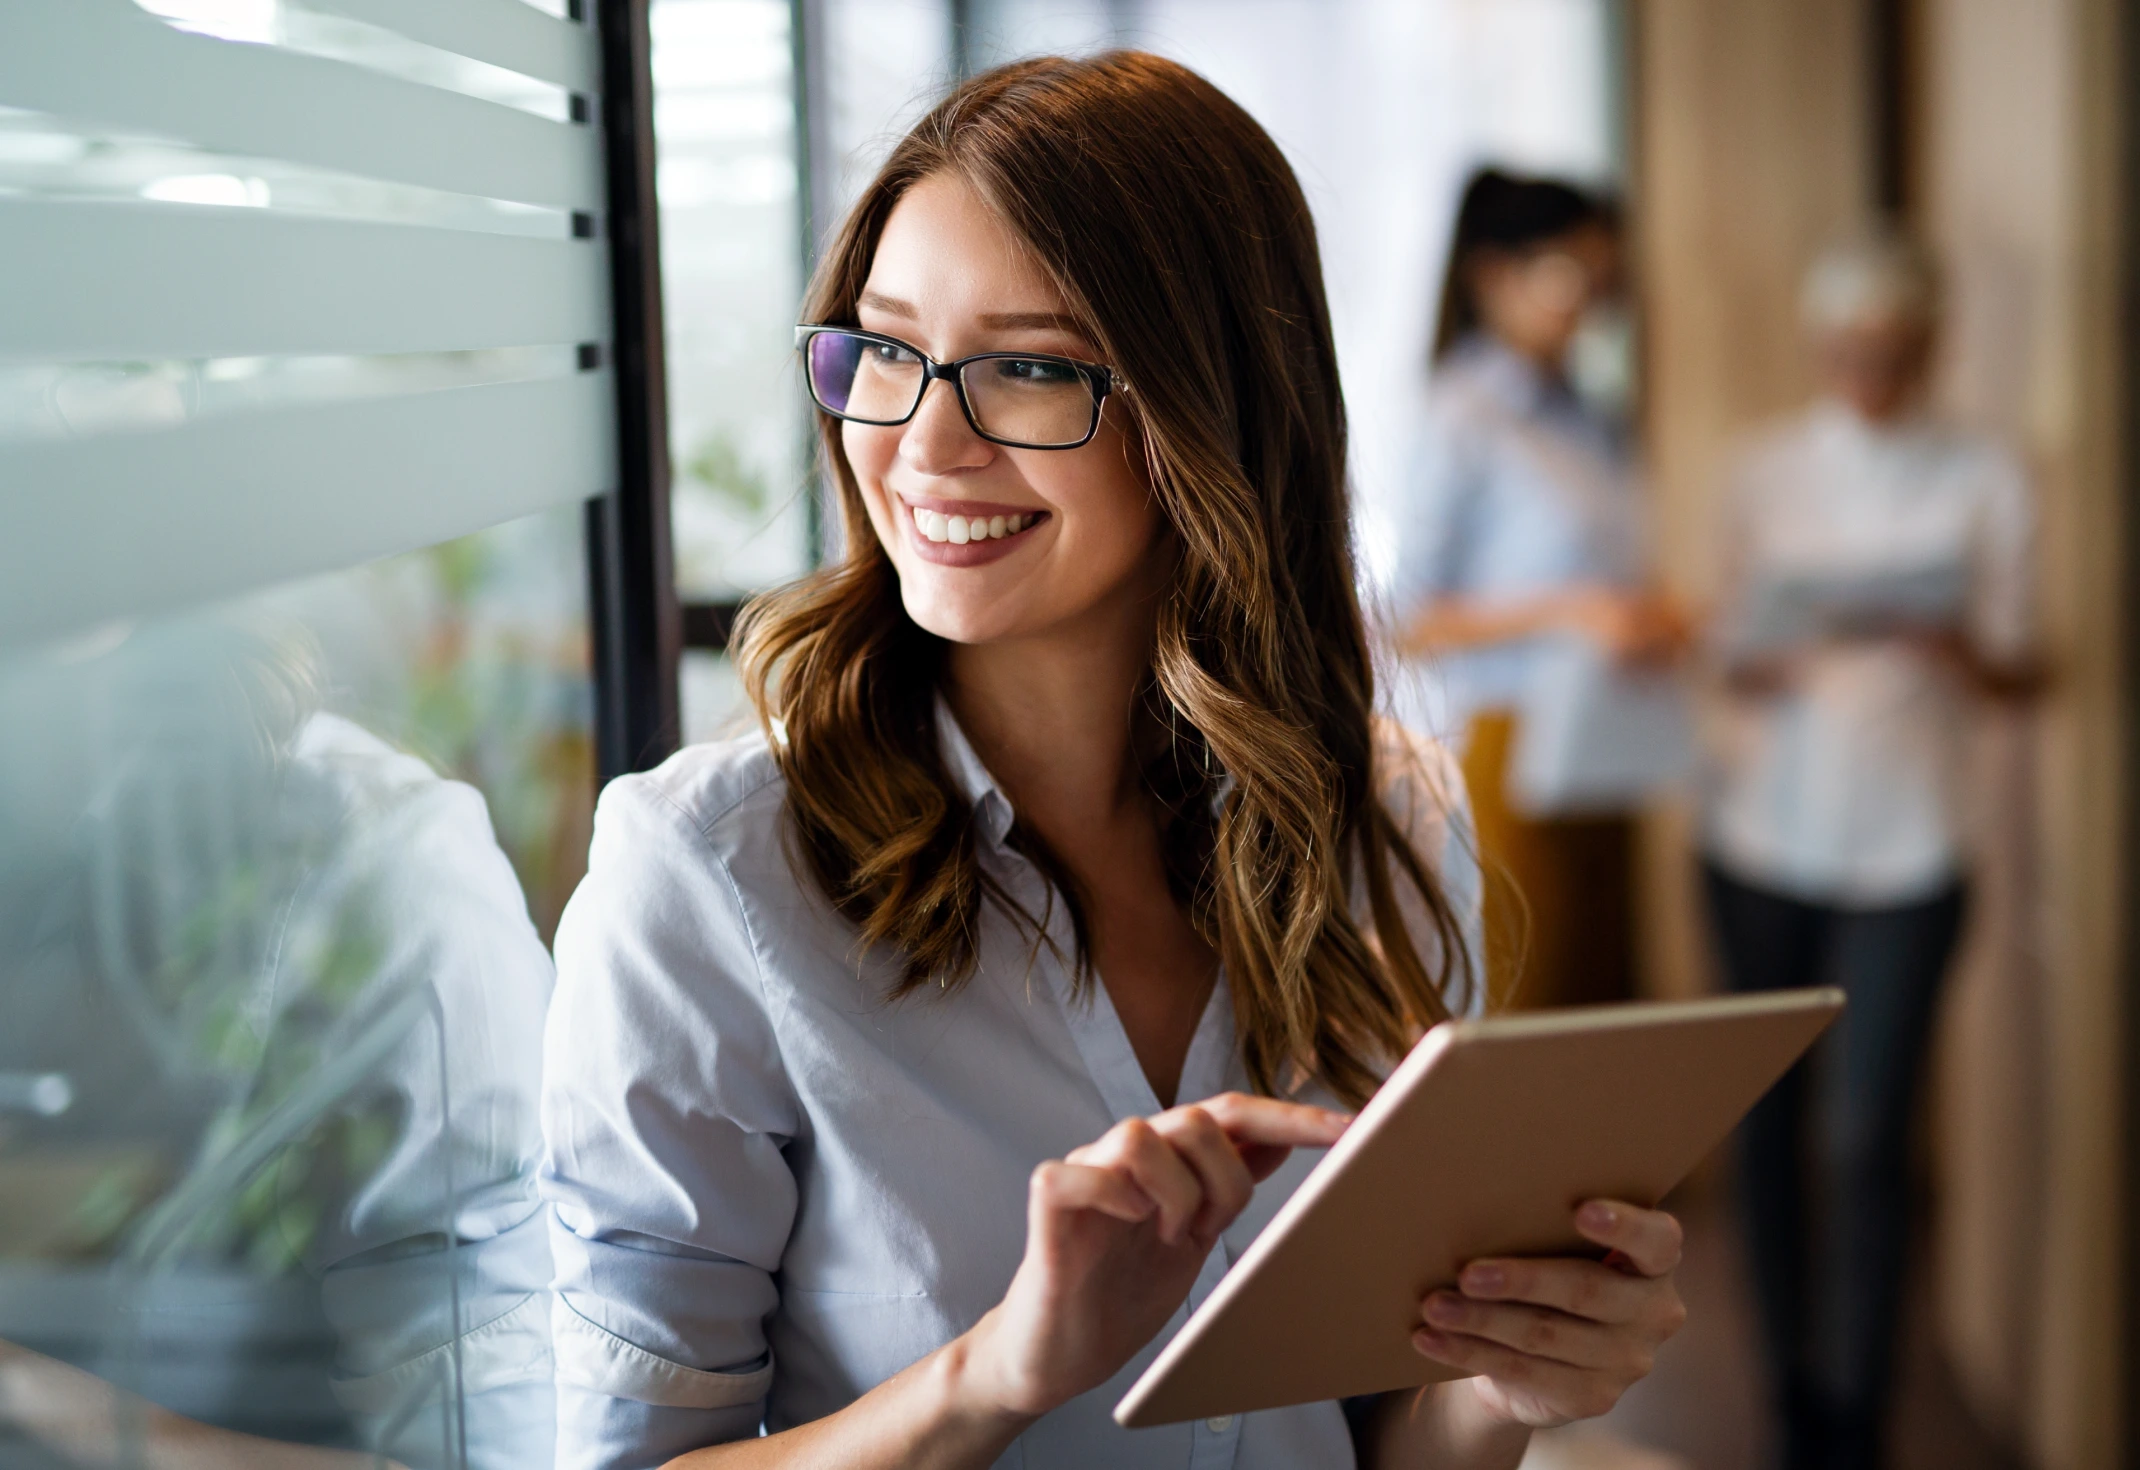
1876	579
914	1066
1523	523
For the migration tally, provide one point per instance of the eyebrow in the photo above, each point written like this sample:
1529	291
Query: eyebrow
1002	321
1060	321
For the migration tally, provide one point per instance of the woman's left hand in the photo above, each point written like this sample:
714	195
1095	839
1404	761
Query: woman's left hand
1553	1340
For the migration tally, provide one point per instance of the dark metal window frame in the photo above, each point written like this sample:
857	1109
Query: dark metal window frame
636	625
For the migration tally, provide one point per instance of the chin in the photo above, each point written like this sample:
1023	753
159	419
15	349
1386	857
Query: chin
966	620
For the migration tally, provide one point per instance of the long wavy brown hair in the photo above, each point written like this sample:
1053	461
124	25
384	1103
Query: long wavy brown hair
1179	235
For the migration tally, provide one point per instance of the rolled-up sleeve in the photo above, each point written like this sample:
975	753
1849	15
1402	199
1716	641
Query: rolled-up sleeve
665	1112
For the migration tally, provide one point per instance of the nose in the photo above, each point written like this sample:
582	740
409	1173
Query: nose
938	440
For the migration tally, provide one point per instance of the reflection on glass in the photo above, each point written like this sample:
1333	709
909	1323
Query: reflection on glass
271	998
301	28
75	399
724	120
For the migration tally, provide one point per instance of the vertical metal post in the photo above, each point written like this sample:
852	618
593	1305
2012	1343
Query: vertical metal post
816	164
636	626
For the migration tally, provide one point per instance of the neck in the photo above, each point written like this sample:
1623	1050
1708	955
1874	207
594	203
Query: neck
1052	717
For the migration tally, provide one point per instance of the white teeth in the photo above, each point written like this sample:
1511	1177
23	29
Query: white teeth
961	530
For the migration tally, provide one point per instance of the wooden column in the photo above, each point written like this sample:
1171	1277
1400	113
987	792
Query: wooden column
1759	134
1749	136
2016	182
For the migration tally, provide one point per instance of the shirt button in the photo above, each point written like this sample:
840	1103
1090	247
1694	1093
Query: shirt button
1219	1425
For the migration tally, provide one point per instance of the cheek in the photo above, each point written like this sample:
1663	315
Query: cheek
870	453
1112	520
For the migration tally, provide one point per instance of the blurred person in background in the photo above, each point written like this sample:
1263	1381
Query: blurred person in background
1876	584
1523	524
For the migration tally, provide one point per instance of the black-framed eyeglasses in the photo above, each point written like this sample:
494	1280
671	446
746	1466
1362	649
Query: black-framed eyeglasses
1023	400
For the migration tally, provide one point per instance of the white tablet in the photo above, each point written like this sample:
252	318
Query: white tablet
1481	1143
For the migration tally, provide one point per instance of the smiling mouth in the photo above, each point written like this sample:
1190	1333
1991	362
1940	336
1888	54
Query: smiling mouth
960	530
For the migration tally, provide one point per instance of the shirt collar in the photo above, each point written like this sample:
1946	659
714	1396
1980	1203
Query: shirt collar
980	788
970	776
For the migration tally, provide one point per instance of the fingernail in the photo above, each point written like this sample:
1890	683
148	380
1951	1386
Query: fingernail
1598	1215
1429	1342
1444	1308
1484	1280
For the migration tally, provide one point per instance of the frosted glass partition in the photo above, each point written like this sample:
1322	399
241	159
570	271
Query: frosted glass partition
200	182
305	377
113	62
505	33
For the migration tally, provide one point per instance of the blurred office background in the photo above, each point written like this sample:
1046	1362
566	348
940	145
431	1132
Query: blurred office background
397	400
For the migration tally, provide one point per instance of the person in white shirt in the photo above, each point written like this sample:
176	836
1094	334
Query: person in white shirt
919	1063
1876	583
1522	525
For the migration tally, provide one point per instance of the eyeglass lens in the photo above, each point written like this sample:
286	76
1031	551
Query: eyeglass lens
1036	401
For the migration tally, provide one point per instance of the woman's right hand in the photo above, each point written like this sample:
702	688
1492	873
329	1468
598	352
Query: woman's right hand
1115	1235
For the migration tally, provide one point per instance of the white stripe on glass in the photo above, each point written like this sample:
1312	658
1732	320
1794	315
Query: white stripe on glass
127	524
140	280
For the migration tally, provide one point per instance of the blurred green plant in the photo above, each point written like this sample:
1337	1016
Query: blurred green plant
719	466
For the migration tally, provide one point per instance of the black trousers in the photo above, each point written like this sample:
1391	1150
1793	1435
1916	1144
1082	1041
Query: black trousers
1825	1155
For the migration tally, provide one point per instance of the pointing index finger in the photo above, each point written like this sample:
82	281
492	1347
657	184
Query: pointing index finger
1274	1121
1264	1129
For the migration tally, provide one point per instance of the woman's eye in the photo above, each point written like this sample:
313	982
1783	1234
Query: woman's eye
888	355
1037	371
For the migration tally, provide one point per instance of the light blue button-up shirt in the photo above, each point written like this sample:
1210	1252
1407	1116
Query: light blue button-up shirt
772	1189
1516	489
